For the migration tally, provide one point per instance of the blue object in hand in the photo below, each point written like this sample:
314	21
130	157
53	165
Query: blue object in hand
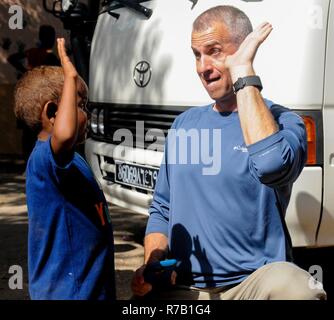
159	273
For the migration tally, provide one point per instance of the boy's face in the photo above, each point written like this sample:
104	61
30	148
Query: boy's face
82	98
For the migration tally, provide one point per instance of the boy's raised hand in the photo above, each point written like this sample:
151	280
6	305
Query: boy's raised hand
68	67
65	128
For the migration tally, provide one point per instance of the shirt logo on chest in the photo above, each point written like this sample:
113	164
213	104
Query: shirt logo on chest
240	148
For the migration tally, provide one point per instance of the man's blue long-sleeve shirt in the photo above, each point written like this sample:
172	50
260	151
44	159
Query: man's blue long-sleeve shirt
221	203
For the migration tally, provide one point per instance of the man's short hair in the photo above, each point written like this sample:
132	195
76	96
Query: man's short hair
236	21
34	90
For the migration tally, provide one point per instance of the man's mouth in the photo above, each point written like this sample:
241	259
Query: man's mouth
212	80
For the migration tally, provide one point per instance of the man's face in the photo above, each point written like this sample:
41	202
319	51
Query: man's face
208	46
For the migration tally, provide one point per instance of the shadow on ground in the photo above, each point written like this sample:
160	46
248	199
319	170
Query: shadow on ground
13	251
129	229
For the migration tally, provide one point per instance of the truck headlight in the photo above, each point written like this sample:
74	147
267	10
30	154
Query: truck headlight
94	120
100	121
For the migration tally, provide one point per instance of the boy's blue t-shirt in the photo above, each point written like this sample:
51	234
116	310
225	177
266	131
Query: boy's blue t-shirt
70	247
221	203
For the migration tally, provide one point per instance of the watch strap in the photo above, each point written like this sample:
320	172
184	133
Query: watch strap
254	81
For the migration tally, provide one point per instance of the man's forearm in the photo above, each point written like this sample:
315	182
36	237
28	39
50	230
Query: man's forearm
155	247
256	120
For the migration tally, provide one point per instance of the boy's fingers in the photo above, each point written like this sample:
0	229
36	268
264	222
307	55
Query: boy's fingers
61	50
58	48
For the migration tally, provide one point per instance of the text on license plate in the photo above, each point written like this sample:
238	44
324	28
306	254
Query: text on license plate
135	175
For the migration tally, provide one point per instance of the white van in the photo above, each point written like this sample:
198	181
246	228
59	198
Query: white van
142	75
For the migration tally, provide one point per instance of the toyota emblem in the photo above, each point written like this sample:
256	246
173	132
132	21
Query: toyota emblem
142	74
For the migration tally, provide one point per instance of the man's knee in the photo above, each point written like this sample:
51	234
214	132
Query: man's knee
286	281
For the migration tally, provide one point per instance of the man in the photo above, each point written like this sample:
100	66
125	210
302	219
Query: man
227	230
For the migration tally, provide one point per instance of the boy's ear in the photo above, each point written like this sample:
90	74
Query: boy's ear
51	110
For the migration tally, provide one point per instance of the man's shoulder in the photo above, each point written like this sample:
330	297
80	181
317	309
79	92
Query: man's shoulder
193	113
272	105
281	112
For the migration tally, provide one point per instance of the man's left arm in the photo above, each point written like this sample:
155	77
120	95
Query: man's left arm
277	147
256	120
279	159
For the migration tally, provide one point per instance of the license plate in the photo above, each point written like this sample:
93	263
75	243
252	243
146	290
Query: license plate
136	176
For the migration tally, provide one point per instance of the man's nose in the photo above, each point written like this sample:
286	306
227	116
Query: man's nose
204	65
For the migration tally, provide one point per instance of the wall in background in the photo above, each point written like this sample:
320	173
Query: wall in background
12	41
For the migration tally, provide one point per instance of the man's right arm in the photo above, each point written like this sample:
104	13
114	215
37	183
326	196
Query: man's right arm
156	239
155	247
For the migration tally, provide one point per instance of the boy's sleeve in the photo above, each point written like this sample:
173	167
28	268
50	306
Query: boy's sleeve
50	164
279	159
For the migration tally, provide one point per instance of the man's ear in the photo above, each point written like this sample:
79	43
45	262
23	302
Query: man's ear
50	111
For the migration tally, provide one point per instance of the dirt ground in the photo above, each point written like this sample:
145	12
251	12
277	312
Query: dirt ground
129	230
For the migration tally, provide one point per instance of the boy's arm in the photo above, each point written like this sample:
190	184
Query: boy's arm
65	128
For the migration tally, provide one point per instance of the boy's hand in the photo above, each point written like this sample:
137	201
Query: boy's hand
68	67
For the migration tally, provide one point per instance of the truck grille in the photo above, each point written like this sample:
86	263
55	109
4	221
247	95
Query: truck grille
147	124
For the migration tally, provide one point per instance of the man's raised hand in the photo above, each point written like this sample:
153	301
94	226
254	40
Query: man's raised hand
246	53
241	62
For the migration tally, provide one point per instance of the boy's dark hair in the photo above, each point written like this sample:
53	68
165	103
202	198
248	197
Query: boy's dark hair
34	90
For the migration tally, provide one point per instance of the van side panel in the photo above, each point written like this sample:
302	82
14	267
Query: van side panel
303	213
326	231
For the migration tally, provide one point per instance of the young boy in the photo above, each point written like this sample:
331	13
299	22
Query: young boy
70	248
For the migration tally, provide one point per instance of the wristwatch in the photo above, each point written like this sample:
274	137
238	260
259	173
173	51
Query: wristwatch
254	81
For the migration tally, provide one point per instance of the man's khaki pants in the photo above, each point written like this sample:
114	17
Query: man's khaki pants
274	281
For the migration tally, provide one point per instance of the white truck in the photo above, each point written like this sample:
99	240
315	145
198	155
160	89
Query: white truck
142	75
